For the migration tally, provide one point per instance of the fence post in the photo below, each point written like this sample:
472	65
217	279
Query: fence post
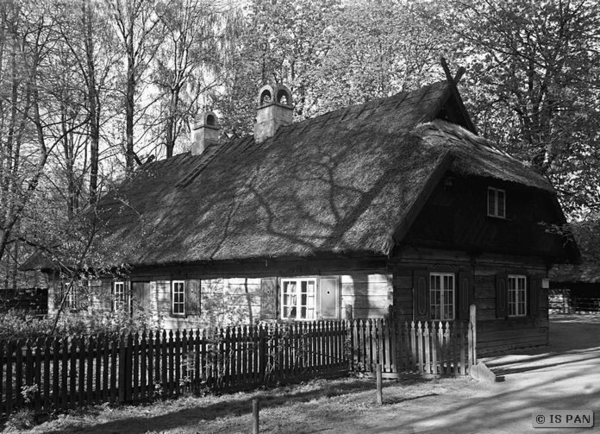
262	353
472	335
255	411
122	383
379	384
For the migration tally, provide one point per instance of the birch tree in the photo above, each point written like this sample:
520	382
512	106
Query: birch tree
138	26
188	64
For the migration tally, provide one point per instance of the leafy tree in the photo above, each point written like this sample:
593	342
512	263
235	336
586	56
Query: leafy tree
31	104
379	48
188	63
533	84
138	26
332	54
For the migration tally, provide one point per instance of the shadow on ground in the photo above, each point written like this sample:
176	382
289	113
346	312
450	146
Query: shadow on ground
238	405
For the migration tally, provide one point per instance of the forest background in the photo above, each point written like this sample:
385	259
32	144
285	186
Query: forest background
89	90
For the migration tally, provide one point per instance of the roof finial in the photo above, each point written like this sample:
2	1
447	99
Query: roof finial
458	75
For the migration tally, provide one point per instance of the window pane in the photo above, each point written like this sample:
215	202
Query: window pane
501	203
310	299
491	202
517	295
442	296
119	296
298	298
289	295
179	297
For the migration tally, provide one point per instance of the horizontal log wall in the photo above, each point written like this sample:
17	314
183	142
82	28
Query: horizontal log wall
369	295
365	290
498	336
493	335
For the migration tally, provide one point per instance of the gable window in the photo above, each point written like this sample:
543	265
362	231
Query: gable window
178	297
517	295
121	299
298	299
441	287
496	202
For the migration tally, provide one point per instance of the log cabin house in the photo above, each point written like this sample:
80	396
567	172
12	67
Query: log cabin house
395	207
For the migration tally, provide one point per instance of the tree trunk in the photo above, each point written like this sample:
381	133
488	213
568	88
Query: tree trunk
130	98
171	121
93	102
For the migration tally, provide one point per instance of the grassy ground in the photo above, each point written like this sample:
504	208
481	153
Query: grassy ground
319	405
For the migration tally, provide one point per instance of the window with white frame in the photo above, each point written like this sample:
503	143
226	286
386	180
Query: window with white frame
517	295
121	297
496	202
441	287
178	297
69	296
298	299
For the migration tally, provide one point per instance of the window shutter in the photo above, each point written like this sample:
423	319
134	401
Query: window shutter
192	297
128	297
138	295
105	296
111	299
533	292
421	295
269	297
329	300
501	296
466	294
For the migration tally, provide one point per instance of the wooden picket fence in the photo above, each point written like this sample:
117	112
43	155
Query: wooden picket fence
63	373
430	348
68	372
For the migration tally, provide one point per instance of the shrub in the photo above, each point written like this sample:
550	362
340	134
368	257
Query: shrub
19	326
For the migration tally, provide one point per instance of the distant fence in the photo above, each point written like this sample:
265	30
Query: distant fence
62	373
562	301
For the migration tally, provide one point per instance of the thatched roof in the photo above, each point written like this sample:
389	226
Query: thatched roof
343	182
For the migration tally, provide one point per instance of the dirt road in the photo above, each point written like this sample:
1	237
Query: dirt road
564	376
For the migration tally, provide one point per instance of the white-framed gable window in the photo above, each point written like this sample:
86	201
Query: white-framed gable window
178	297
442	296
121	297
517	295
298	298
496	202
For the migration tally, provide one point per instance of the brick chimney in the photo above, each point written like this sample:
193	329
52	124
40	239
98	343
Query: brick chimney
274	110
205	132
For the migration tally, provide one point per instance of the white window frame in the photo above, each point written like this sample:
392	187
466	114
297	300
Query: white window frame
517	295
445	304
294	304
178	288
69	295
493	202
121	296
